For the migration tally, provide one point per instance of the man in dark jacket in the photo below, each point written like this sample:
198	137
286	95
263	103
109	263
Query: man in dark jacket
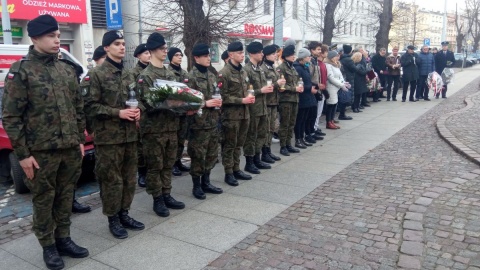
409	63
348	71
444	59
380	67
426	65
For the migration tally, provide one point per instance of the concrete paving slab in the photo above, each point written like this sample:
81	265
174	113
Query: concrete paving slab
153	251
357	141
91	264
313	166
206	230
10	261
330	158
144	202
306	179
241	208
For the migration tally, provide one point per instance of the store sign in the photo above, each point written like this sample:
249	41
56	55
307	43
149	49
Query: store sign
7	60
258	29
70	11
16	31
114	14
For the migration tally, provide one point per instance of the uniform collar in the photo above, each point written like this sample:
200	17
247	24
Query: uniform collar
41	57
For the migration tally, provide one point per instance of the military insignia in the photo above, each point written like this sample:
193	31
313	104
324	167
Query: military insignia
87	78
220	84
11	75
246	79
119	34
220	75
84	91
185	81
140	80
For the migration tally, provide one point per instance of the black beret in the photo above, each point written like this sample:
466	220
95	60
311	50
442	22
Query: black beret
269	50
224	55
99	53
200	49
172	51
140	49
254	47
235	46
410	47
288	51
445	43
110	36
41	25
154	41
347	49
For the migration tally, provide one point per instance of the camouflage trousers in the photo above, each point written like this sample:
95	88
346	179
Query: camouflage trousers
203	150
52	192
234	135
288	116
116	170
141	158
272	112
182	134
160	152
256	136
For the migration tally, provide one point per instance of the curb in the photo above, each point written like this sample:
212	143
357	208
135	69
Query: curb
447	136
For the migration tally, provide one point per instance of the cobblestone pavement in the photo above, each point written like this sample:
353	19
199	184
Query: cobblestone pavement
410	203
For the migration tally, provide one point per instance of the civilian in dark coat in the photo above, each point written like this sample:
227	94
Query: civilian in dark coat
444	59
360	81
410	72
426	65
379	64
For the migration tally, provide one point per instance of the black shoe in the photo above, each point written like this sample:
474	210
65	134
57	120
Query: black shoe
292	149
159	207
197	190
208	187
266	156
444	97
310	139
66	247
436	97
299	144
394	99
80	208
274	157
417	99
240	175
382	96
250	166
366	105
116	228
361	107
176	171
52	259
345	117
355	110
142	175
427	99
319	132
260	164
230	180
275	135
284	151
181	167
317	137
306	143
412	100
403	100
128	222
171	203
388	99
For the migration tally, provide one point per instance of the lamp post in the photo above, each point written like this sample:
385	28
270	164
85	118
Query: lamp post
278	22
7	29
444	30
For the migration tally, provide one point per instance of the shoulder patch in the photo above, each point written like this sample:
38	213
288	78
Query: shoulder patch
220	75
10	76
185	80
87	78
140	80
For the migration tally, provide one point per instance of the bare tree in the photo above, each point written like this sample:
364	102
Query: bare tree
472	16
385	17
407	25
459	26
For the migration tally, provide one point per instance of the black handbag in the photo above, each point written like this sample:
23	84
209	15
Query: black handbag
345	97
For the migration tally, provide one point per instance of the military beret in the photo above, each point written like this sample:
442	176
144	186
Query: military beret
267	50
172	51
235	46
200	49
224	55
154	41
288	51
254	47
110	36
410	47
99	53
347	49
41	25
140	49
445	43
333	47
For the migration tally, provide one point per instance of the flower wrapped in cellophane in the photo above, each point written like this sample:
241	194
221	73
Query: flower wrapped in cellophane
174	96
435	83
447	75
373	81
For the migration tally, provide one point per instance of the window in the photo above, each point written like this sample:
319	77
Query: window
295	9
357	5
251	5
356	29
99	19
361	30
266	7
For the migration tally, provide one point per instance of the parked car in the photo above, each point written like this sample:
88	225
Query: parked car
459	57
476	56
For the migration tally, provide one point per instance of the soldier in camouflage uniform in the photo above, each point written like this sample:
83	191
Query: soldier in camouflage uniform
288	106
269	58
175	57
235	112
43	117
99	55
257	131
115	131
159	132
143	56
203	134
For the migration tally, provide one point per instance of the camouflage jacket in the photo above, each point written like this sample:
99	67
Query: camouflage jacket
105	91
204	82
180	76
272	74
42	105
291	76
257	78
139	67
154	122
233	89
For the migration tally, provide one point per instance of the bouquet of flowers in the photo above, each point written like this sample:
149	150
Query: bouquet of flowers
373	83
174	96
447	75
435	82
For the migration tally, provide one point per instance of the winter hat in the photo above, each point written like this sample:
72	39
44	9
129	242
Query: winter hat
288	51
41	25
172	51
110	36
302	53
154	41
140	49
332	54
200	49
347	49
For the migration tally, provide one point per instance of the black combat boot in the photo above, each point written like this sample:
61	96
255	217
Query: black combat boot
159	207
171	203
250	167
272	155
259	164
142	175
299	144
176	171
117	230
266	156
292	149
78	207
66	247
51	258
207	186
128	222
284	151
197	190
181	167
230	180
240	175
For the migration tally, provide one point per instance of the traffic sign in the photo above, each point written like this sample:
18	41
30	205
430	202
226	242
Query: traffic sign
426	41
469	42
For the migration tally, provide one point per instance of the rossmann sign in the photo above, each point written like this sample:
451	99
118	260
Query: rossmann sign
69	11
258	29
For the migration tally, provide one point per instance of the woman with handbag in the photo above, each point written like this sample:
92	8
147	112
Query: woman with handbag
335	82
360	81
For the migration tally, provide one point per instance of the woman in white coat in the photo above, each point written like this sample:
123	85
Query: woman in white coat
335	82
